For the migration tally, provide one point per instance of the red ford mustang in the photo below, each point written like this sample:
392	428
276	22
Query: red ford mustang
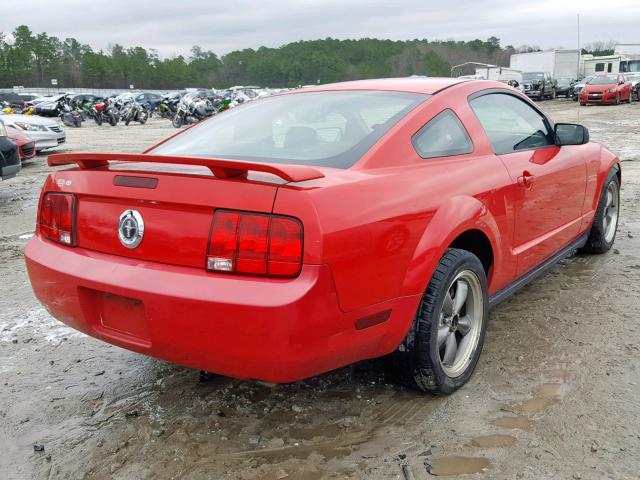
607	88
302	232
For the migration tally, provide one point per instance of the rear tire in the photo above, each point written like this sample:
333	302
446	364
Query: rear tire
444	344
605	223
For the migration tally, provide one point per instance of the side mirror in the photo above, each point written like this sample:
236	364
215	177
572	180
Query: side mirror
571	134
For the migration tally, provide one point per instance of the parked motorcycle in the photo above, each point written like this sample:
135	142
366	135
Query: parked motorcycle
106	111
133	111
192	109
69	116
165	108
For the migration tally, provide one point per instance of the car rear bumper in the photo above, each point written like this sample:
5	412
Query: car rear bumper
271	330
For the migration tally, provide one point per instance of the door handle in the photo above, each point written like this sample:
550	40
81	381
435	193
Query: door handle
526	179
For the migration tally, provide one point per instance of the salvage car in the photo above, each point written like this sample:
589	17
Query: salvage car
564	87
634	78
46	132
539	85
606	88
10	163
301	232
11	99
26	145
578	86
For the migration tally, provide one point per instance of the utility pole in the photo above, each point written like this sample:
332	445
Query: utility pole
579	57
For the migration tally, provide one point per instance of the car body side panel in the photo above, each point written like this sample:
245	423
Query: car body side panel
372	236
549	211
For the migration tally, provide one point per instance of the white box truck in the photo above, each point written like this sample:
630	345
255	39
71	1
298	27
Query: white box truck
558	63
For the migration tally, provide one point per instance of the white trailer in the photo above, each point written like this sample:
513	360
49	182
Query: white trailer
627	49
559	63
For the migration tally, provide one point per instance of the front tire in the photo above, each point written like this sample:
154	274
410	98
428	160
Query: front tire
177	121
605	223
449	329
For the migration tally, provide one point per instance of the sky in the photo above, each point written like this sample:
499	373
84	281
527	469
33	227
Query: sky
172	27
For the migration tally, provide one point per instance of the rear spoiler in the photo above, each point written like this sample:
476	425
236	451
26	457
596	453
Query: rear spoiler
220	168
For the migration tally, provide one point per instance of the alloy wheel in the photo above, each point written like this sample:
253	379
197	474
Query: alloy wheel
610	214
460	323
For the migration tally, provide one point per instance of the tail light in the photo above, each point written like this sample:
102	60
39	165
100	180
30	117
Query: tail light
256	244
57	217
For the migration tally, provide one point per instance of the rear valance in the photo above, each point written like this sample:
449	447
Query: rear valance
220	168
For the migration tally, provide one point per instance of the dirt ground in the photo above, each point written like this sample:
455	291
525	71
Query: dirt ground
556	394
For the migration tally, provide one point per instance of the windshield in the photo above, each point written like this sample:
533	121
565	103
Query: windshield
332	129
532	76
603	80
564	82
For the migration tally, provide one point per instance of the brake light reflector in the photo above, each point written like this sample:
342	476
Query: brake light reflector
57	217
256	244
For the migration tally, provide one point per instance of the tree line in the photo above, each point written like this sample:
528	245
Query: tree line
33	59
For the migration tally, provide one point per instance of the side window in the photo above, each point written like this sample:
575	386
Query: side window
442	136
599	67
510	123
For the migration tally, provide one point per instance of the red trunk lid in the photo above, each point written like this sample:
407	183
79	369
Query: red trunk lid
175	203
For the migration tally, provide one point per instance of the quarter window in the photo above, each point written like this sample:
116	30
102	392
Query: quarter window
510	123
442	136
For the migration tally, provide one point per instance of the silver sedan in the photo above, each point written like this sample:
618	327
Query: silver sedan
46	132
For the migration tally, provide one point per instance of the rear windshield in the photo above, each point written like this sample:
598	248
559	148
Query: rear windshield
332	129
603	80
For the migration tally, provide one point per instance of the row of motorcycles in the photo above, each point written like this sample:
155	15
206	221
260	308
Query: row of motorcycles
182	108
191	107
110	111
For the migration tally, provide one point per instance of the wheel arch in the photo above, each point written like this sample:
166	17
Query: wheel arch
463	222
608	162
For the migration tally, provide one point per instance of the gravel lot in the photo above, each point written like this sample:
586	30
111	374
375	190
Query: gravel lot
556	393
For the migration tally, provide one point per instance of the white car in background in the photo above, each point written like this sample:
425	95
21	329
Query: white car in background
46	132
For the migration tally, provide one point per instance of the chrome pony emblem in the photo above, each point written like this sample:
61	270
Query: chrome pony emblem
130	228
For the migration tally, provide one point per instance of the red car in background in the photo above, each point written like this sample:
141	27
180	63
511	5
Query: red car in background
302	232
26	146
607	88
